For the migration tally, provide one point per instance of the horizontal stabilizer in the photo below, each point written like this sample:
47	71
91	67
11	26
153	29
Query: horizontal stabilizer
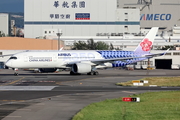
159	54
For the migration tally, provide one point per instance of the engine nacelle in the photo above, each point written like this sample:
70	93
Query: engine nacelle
47	69
81	68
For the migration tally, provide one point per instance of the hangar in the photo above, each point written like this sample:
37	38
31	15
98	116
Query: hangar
163	63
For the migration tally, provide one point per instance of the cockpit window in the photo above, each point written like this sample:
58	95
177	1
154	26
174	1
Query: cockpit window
13	58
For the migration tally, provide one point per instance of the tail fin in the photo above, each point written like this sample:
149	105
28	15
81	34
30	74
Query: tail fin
146	44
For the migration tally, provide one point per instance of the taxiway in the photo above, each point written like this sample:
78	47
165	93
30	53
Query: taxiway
60	96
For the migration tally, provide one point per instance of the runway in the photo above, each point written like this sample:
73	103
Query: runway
60	96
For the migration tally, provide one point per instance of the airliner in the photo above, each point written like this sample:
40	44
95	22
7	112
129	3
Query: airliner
83	61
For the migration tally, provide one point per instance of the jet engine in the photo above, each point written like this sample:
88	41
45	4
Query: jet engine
46	70
81	68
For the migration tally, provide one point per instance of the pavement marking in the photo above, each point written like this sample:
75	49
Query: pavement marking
27	88
13	100
128	92
60	83
14	116
74	80
16	81
13	82
40	104
24	109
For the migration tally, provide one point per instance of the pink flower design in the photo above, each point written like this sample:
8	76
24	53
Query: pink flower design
146	44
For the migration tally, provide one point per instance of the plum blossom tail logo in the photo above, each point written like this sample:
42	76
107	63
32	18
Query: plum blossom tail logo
146	44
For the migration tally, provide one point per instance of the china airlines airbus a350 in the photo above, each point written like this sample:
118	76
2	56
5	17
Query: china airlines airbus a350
84	61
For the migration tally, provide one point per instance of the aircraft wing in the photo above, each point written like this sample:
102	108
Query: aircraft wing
111	60
114	59
6	55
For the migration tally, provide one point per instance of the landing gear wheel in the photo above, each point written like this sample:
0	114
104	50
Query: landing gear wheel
89	73
95	73
16	74
72	73
15	71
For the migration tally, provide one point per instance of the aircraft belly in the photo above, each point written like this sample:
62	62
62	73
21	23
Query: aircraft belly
40	65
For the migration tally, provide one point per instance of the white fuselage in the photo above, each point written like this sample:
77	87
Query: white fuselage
55	59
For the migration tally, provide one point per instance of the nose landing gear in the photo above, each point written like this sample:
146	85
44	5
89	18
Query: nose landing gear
16	72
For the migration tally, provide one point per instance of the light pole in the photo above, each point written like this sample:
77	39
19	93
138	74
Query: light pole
59	35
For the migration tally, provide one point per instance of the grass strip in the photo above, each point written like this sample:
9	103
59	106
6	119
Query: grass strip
159	81
153	106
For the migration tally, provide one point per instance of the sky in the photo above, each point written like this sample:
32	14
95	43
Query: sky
11	6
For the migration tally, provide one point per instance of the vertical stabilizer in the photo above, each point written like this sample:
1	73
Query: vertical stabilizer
146	44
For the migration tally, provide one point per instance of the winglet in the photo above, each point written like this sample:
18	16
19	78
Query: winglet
61	49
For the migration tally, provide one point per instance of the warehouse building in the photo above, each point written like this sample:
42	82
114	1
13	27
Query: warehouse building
98	17
160	13
79	18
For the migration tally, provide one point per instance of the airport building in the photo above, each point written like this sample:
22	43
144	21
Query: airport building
111	21
98	17
160	13
78	18
4	24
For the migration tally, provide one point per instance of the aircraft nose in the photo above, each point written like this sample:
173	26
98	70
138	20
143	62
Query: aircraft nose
8	63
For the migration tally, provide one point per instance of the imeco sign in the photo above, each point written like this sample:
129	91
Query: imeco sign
161	17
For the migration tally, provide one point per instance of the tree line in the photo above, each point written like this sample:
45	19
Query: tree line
91	45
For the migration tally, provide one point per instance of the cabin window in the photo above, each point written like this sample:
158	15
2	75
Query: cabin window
168	54
176	53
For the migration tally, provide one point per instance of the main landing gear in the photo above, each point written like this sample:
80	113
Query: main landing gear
16	72
72	73
90	73
93	73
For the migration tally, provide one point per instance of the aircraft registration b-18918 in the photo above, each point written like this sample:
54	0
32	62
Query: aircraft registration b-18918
83	61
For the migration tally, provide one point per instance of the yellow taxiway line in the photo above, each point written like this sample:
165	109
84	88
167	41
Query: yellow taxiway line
13	82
